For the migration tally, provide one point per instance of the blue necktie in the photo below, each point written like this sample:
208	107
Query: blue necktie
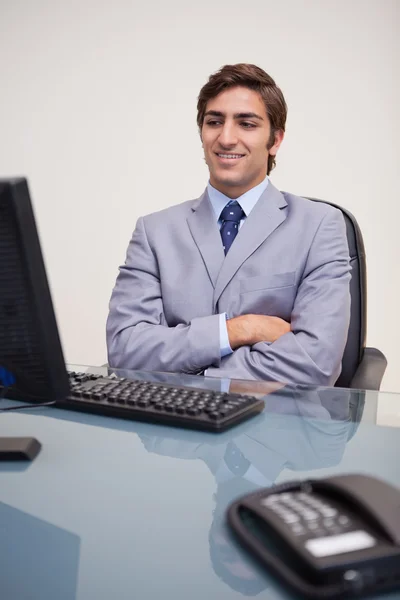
231	216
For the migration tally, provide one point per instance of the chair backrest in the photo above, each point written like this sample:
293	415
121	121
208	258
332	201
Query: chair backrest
355	345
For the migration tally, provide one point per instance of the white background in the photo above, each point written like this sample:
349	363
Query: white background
98	110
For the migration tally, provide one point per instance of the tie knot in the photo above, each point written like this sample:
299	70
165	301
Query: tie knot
232	212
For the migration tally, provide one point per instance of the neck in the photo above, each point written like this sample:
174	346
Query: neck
233	192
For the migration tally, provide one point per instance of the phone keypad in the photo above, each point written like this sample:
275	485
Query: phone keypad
308	515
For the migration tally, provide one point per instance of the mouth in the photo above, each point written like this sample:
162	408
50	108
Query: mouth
229	157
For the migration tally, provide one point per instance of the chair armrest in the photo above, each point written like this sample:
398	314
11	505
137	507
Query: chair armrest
370	371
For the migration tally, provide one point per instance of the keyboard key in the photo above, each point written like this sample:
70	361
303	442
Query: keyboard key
270	500
328	512
286	496
290	518
298	529
329	523
213	415
143	402
310	515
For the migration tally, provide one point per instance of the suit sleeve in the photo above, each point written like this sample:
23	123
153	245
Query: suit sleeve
138	336
311	352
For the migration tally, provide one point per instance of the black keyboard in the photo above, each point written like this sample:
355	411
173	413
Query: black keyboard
159	402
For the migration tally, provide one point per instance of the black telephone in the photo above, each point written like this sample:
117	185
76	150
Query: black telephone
337	537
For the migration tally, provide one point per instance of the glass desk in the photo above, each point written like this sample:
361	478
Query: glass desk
126	510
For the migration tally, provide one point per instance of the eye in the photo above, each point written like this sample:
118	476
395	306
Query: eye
213	122
248	125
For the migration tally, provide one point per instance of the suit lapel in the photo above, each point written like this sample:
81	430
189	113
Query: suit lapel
265	217
204	228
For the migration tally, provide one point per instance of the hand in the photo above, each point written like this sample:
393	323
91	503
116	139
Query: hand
247	330
254	388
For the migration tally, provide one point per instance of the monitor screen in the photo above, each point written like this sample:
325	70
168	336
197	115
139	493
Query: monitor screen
32	365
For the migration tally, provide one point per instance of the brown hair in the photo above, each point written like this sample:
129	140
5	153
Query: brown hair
254	78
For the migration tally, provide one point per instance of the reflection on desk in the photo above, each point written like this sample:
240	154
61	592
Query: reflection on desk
297	431
300	429
36	555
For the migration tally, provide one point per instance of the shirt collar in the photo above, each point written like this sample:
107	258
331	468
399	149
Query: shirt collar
247	201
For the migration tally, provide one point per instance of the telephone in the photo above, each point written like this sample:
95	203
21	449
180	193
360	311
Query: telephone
337	537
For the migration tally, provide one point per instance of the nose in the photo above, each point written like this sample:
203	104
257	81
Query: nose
228	136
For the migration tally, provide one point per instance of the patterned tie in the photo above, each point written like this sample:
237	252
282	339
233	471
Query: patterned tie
231	216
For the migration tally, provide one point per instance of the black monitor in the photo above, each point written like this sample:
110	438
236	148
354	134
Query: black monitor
32	366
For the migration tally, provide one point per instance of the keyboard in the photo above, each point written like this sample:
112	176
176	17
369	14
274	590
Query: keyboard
162	403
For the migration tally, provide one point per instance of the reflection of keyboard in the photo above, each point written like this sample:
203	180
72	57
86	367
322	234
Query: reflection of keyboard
158	402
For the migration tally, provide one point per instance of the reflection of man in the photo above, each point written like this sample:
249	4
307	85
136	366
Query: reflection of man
299	430
245	282
227	559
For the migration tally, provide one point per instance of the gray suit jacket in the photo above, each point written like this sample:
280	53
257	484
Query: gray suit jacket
290	259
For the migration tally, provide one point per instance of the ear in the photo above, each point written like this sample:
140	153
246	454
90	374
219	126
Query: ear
279	135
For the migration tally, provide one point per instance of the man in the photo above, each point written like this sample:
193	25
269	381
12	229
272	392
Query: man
245	282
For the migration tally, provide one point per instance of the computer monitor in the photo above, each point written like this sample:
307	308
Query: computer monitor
32	366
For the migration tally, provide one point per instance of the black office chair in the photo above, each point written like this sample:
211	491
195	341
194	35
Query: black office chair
362	368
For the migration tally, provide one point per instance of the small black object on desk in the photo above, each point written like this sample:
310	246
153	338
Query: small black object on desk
19	448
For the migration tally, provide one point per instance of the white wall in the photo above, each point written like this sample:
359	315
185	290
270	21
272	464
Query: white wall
98	110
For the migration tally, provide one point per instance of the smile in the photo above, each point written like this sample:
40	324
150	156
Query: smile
229	156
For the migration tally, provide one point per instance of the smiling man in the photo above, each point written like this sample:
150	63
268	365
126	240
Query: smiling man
244	282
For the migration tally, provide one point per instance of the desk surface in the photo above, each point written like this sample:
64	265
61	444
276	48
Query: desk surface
124	510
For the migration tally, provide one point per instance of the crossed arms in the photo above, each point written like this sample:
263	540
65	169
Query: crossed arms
308	350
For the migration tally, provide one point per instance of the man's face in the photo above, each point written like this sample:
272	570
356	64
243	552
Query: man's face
235	134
